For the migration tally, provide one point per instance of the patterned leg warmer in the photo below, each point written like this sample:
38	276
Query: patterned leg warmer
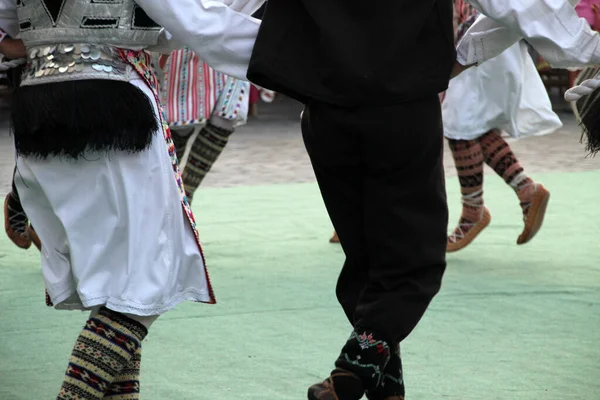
533	196
126	385
180	137
468	158
359	368
105	347
207	148
499	156
392	385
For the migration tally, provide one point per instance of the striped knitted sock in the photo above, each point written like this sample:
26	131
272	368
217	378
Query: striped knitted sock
126	385
104	348
180	137
468	159
499	156
206	149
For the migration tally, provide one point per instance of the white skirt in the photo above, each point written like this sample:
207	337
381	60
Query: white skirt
503	93
113	230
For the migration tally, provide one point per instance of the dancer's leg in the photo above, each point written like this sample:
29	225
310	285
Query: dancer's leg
104	348
533	196
206	149
468	159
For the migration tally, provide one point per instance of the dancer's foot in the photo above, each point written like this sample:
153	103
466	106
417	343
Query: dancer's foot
392	385
16	222
467	231
341	385
534	210
334	238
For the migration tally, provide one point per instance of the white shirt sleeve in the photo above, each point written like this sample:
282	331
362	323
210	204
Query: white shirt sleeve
9	20
552	27
223	38
247	7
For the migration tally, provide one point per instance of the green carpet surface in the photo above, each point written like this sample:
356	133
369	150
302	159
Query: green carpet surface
510	323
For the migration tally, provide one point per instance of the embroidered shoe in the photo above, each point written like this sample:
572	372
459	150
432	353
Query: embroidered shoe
533	213
392	385
16	223
466	232
359	368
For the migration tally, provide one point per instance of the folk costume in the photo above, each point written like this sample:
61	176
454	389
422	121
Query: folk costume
389	212
202	104
556	32
97	172
477	109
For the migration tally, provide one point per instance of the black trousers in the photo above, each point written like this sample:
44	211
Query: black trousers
381	176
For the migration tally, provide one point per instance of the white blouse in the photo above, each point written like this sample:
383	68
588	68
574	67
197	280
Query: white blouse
552	27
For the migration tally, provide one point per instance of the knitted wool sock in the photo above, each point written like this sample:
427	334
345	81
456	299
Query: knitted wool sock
126	385
181	136
105	346
206	149
499	156
468	159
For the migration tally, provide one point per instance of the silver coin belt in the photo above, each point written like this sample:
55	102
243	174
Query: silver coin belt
74	62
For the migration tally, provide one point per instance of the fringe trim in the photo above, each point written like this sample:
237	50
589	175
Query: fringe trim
68	119
589	113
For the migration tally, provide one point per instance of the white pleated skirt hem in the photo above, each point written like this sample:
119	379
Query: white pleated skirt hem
504	93
70	300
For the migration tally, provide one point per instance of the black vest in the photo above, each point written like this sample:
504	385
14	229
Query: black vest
351	53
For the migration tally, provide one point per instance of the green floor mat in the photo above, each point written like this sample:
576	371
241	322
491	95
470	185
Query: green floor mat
510	323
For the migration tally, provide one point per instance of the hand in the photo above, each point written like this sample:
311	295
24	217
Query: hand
13	48
162	61
458	69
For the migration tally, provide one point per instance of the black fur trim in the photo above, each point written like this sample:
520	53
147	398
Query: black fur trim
66	119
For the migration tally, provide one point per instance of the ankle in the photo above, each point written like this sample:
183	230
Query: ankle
526	192
472	214
365	356
14	202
